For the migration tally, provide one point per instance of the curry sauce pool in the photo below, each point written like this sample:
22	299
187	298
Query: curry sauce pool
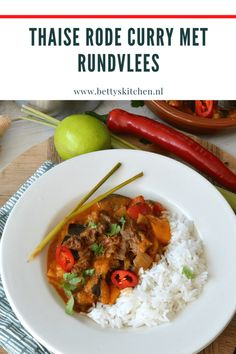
117	262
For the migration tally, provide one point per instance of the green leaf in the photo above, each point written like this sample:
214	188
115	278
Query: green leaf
76	281
97	249
67	292
69	276
89	272
137	104
114	229
70	305
68	287
71	282
122	221
92	224
187	272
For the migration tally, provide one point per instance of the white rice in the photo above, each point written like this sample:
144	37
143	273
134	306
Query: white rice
163	290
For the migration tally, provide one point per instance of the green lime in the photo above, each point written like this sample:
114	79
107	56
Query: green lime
79	134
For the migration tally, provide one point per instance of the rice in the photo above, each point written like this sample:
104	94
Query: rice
163	290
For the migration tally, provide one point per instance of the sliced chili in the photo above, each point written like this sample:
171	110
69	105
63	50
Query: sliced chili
124	279
64	258
204	108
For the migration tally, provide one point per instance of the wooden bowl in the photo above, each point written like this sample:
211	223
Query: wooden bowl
189	122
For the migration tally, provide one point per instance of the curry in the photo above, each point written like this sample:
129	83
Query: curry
100	251
206	108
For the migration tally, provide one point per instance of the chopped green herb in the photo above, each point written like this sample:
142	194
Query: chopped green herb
70	305
69	276
71	281
114	230
97	249
76	281
137	104
188	272
68	287
92	224
89	272
122	221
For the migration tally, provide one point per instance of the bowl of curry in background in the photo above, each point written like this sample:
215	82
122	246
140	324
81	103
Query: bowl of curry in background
196	116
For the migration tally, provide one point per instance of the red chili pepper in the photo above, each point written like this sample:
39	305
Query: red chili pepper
119	121
64	258
204	108
138	206
124	279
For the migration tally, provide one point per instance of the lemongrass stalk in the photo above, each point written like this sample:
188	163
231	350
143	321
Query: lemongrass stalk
106	194
87	196
42	118
40	121
38	114
95	188
116	139
229	196
84	207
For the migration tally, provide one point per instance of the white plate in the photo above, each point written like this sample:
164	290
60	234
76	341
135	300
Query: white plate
40	309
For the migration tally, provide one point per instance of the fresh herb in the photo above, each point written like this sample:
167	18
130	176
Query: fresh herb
92	224
68	288
77	280
82	208
114	230
122	222
69	285
137	104
71	281
188	272
88	272
97	249
70	305
69	276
